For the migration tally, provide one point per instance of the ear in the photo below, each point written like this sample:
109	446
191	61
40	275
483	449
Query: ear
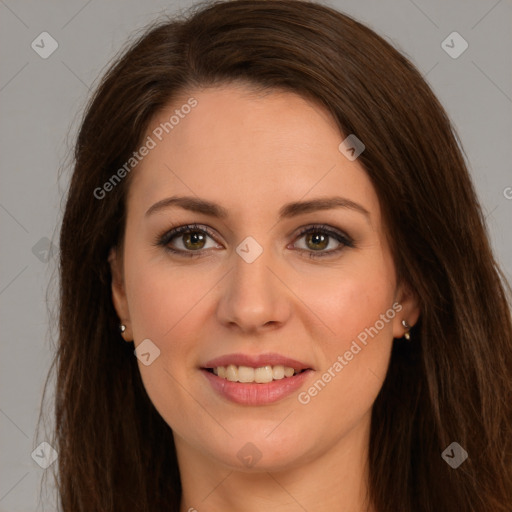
410	311
119	293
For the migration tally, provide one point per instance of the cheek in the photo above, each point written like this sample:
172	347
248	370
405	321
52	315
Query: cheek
161	301
359	309
352	300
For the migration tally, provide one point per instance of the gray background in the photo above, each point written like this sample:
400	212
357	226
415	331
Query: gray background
40	104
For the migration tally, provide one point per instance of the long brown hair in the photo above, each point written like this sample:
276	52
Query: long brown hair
451	383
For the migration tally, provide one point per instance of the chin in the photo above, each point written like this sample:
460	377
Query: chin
252	452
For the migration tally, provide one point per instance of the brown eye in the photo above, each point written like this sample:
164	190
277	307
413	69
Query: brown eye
194	240
189	240
317	241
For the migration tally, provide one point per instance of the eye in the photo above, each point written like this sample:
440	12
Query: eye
185	240
191	240
320	237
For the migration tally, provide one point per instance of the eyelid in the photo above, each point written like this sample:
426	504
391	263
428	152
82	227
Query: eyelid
340	236
165	238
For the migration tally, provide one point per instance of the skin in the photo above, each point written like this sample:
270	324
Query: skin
252	153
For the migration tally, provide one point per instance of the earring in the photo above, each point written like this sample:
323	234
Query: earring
122	329
407	334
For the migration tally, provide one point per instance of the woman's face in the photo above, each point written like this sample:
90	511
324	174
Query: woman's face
287	267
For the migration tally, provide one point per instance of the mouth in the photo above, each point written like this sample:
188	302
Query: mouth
255	369
255	386
259	375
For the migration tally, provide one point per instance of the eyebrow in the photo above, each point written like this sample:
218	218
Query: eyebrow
287	211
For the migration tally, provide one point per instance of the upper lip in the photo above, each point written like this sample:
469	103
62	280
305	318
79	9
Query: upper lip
256	361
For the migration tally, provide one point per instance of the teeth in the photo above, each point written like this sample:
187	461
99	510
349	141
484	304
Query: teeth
232	373
245	374
261	375
278	372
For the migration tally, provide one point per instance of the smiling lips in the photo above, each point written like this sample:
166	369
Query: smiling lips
247	368
255	380
247	374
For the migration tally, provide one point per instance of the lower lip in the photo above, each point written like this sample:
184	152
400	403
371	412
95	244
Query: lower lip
251	393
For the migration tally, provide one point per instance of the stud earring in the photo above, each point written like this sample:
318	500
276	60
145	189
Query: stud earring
122	329
407	327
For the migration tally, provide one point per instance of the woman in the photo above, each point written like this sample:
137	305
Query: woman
270	207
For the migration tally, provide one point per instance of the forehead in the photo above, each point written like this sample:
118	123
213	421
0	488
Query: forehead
247	149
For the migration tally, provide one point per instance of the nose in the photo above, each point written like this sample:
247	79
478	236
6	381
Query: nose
255	296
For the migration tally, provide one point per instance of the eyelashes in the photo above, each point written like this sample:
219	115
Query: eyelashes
327	233
165	239
196	233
